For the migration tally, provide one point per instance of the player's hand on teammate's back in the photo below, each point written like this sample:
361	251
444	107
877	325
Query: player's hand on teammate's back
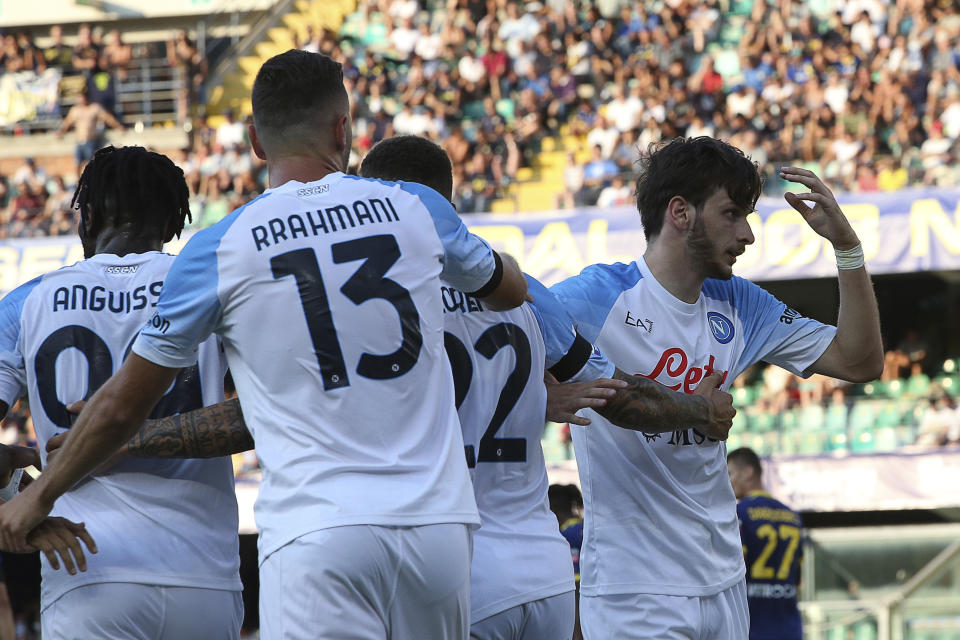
60	537
565	399
825	216
720	404
16	457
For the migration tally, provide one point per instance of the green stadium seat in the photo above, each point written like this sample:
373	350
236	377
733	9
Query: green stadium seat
918	385
836	417
811	443
889	415
863	415
741	421
866	630
836	440
506	108
761	422
789	420
886	439
862	441
812	418
895	388
876	389
742	396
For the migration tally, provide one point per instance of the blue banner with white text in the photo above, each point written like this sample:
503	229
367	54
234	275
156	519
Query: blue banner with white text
902	232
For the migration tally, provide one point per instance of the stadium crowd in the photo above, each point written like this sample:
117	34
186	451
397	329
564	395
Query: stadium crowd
866	93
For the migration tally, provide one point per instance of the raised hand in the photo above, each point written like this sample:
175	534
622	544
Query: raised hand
720	404
565	399
824	216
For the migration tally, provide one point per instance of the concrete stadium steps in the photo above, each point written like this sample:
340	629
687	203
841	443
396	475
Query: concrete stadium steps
537	187
234	92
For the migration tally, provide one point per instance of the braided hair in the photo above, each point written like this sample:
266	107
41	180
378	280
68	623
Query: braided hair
135	188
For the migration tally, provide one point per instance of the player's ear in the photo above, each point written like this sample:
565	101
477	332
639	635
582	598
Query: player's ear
679	213
255	141
341	132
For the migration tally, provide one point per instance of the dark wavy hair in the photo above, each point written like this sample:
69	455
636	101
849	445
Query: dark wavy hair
693	168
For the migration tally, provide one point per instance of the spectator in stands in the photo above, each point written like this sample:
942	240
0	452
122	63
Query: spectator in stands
87	118
596	173
231	134
58	54
616	193
192	64
86	54
116	55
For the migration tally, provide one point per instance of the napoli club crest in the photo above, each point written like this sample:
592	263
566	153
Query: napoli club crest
720	327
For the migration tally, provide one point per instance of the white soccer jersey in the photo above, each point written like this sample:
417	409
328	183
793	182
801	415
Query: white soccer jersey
327	298
498	360
660	514
160	522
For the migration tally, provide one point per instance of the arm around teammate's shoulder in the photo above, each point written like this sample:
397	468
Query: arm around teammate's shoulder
507	288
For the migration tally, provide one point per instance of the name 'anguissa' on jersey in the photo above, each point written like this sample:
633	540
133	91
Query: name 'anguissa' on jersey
98	298
328	220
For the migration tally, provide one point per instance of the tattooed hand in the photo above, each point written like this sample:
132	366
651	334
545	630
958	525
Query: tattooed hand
720	405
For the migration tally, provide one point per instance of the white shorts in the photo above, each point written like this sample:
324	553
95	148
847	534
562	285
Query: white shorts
369	583
546	619
723	616
128	611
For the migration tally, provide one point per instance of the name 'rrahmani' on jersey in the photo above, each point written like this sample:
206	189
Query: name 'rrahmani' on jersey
161	522
498	361
661	515
327	298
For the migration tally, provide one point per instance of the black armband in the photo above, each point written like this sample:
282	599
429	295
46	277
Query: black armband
570	364
494	280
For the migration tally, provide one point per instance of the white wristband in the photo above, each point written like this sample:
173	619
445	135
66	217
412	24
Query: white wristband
849	259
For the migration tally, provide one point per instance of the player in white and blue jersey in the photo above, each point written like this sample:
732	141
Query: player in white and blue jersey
661	555
522	583
168	563
326	294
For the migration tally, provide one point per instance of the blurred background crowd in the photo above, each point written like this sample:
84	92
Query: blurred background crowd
866	92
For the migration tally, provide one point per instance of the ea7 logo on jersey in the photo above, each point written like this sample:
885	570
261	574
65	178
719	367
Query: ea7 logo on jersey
720	327
645	323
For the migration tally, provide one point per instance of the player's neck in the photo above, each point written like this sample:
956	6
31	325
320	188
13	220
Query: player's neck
671	267
119	242
301	168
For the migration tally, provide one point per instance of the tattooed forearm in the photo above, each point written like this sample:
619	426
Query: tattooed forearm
213	431
650	407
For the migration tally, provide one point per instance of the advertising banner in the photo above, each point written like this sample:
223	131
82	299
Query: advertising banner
902	232
866	482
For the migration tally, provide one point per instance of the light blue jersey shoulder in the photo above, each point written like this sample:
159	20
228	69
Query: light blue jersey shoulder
589	296
468	261
569	356
12	371
189	306
772	331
